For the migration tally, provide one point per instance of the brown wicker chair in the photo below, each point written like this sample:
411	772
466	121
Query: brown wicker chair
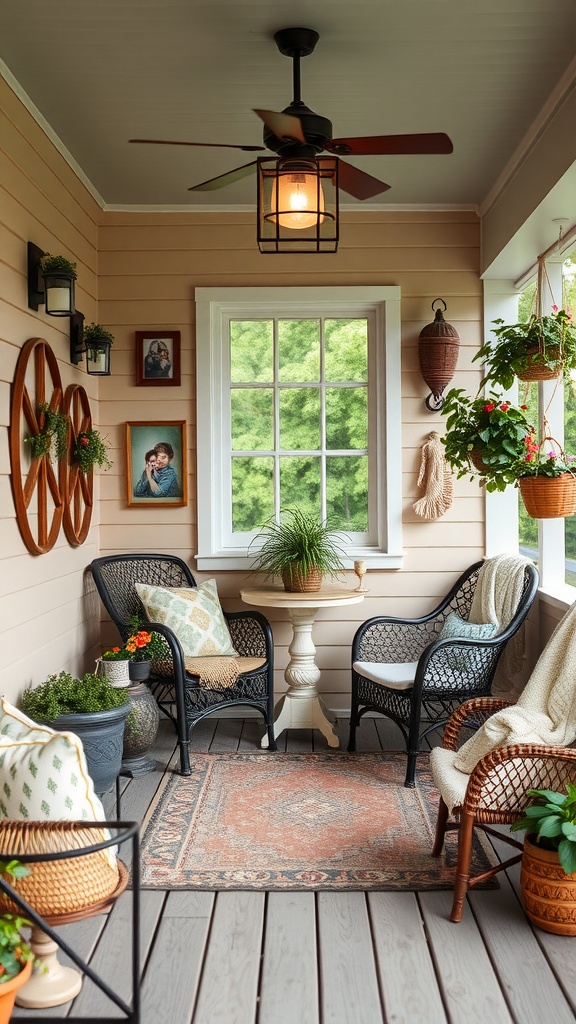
496	792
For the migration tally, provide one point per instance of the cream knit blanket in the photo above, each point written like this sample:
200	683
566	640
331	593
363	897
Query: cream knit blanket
545	713
496	598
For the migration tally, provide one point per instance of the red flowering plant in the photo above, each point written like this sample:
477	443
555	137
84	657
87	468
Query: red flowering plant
143	645
90	449
486	437
543	459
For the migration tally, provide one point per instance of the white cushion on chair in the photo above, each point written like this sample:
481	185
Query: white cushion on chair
396	675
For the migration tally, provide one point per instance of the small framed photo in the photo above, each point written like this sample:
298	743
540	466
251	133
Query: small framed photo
156	469
158	359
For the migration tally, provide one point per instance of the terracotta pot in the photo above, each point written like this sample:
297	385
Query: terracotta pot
549	497
8	992
549	894
296	583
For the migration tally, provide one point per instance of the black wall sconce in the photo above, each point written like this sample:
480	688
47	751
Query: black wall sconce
51	282
438	347
91	343
298	203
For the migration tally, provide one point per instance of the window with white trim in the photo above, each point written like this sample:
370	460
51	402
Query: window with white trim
298	404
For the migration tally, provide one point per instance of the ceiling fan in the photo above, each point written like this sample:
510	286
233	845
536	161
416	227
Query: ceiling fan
298	132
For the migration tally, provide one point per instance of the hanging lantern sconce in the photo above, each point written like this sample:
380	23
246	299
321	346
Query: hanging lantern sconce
438	347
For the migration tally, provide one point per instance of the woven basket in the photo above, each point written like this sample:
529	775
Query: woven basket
536	371
61	886
296	583
477	460
548	497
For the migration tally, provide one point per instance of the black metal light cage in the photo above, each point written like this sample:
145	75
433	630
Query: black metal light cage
56	290
97	351
319	230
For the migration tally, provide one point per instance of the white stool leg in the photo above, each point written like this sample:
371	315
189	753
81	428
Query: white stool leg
50	984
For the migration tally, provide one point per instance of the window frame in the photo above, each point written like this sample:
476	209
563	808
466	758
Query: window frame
214	307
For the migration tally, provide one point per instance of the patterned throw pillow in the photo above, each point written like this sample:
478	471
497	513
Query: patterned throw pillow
457	628
43	773
194	614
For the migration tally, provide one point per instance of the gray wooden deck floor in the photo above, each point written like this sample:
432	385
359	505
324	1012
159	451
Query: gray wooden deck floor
324	958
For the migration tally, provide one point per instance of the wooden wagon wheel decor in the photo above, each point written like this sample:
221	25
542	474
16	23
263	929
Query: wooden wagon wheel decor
37	382
76	485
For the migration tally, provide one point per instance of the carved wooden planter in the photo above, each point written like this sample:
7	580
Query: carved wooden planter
549	894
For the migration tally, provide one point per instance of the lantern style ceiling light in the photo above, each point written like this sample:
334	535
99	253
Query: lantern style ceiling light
298	203
50	281
438	347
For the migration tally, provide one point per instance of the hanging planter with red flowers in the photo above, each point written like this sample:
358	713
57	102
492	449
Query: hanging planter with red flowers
90	450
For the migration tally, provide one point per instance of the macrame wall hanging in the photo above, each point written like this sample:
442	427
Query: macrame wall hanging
436	479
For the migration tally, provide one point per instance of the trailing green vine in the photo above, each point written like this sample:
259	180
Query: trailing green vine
52	435
89	450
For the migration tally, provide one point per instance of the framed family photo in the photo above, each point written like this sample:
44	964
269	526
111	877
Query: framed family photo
156	470
158	358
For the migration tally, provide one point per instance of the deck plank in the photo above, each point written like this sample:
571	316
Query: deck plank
349	989
470	988
289	984
171	981
229	983
402	952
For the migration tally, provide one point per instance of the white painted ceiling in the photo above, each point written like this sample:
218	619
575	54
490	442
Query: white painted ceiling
104	71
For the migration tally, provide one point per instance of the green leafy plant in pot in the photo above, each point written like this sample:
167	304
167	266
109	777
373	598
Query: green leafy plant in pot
301	548
90	707
485	436
16	956
548	876
542	348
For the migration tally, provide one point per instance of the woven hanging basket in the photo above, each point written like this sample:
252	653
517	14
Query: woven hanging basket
296	583
537	371
438	347
477	461
60	886
549	497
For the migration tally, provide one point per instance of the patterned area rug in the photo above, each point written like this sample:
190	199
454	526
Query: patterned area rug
297	822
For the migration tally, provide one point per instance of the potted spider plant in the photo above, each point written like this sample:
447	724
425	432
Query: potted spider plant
548	875
301	548
542	348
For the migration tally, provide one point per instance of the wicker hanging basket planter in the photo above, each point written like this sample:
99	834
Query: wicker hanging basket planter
537	370
477	461
548	497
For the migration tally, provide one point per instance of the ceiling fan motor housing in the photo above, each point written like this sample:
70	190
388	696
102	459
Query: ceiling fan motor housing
317	130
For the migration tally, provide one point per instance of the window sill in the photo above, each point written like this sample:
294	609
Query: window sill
562	597
224	560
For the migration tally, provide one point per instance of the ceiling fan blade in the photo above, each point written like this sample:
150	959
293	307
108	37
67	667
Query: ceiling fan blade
224	179
390	145
357	183
212	145
285	126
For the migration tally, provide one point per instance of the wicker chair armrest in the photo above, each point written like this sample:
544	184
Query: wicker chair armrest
251	634
470	715
500	781
176	653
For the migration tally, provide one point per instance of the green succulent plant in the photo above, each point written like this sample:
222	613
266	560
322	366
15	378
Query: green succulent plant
551	821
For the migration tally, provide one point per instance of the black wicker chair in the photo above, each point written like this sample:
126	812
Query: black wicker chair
179	695
439	674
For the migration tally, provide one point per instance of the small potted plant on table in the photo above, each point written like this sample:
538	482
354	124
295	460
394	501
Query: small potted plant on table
548	876
301	548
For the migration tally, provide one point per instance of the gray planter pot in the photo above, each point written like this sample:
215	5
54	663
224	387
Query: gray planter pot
102	736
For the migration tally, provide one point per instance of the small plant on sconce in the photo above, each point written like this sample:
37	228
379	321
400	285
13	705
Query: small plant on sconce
56	265
93	333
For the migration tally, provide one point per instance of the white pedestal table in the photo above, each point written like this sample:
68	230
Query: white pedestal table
301	707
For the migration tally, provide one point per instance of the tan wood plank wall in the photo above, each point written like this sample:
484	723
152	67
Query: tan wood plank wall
49	620
149	267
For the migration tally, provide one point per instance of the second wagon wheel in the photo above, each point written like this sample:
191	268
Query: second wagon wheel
77	486
37	381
